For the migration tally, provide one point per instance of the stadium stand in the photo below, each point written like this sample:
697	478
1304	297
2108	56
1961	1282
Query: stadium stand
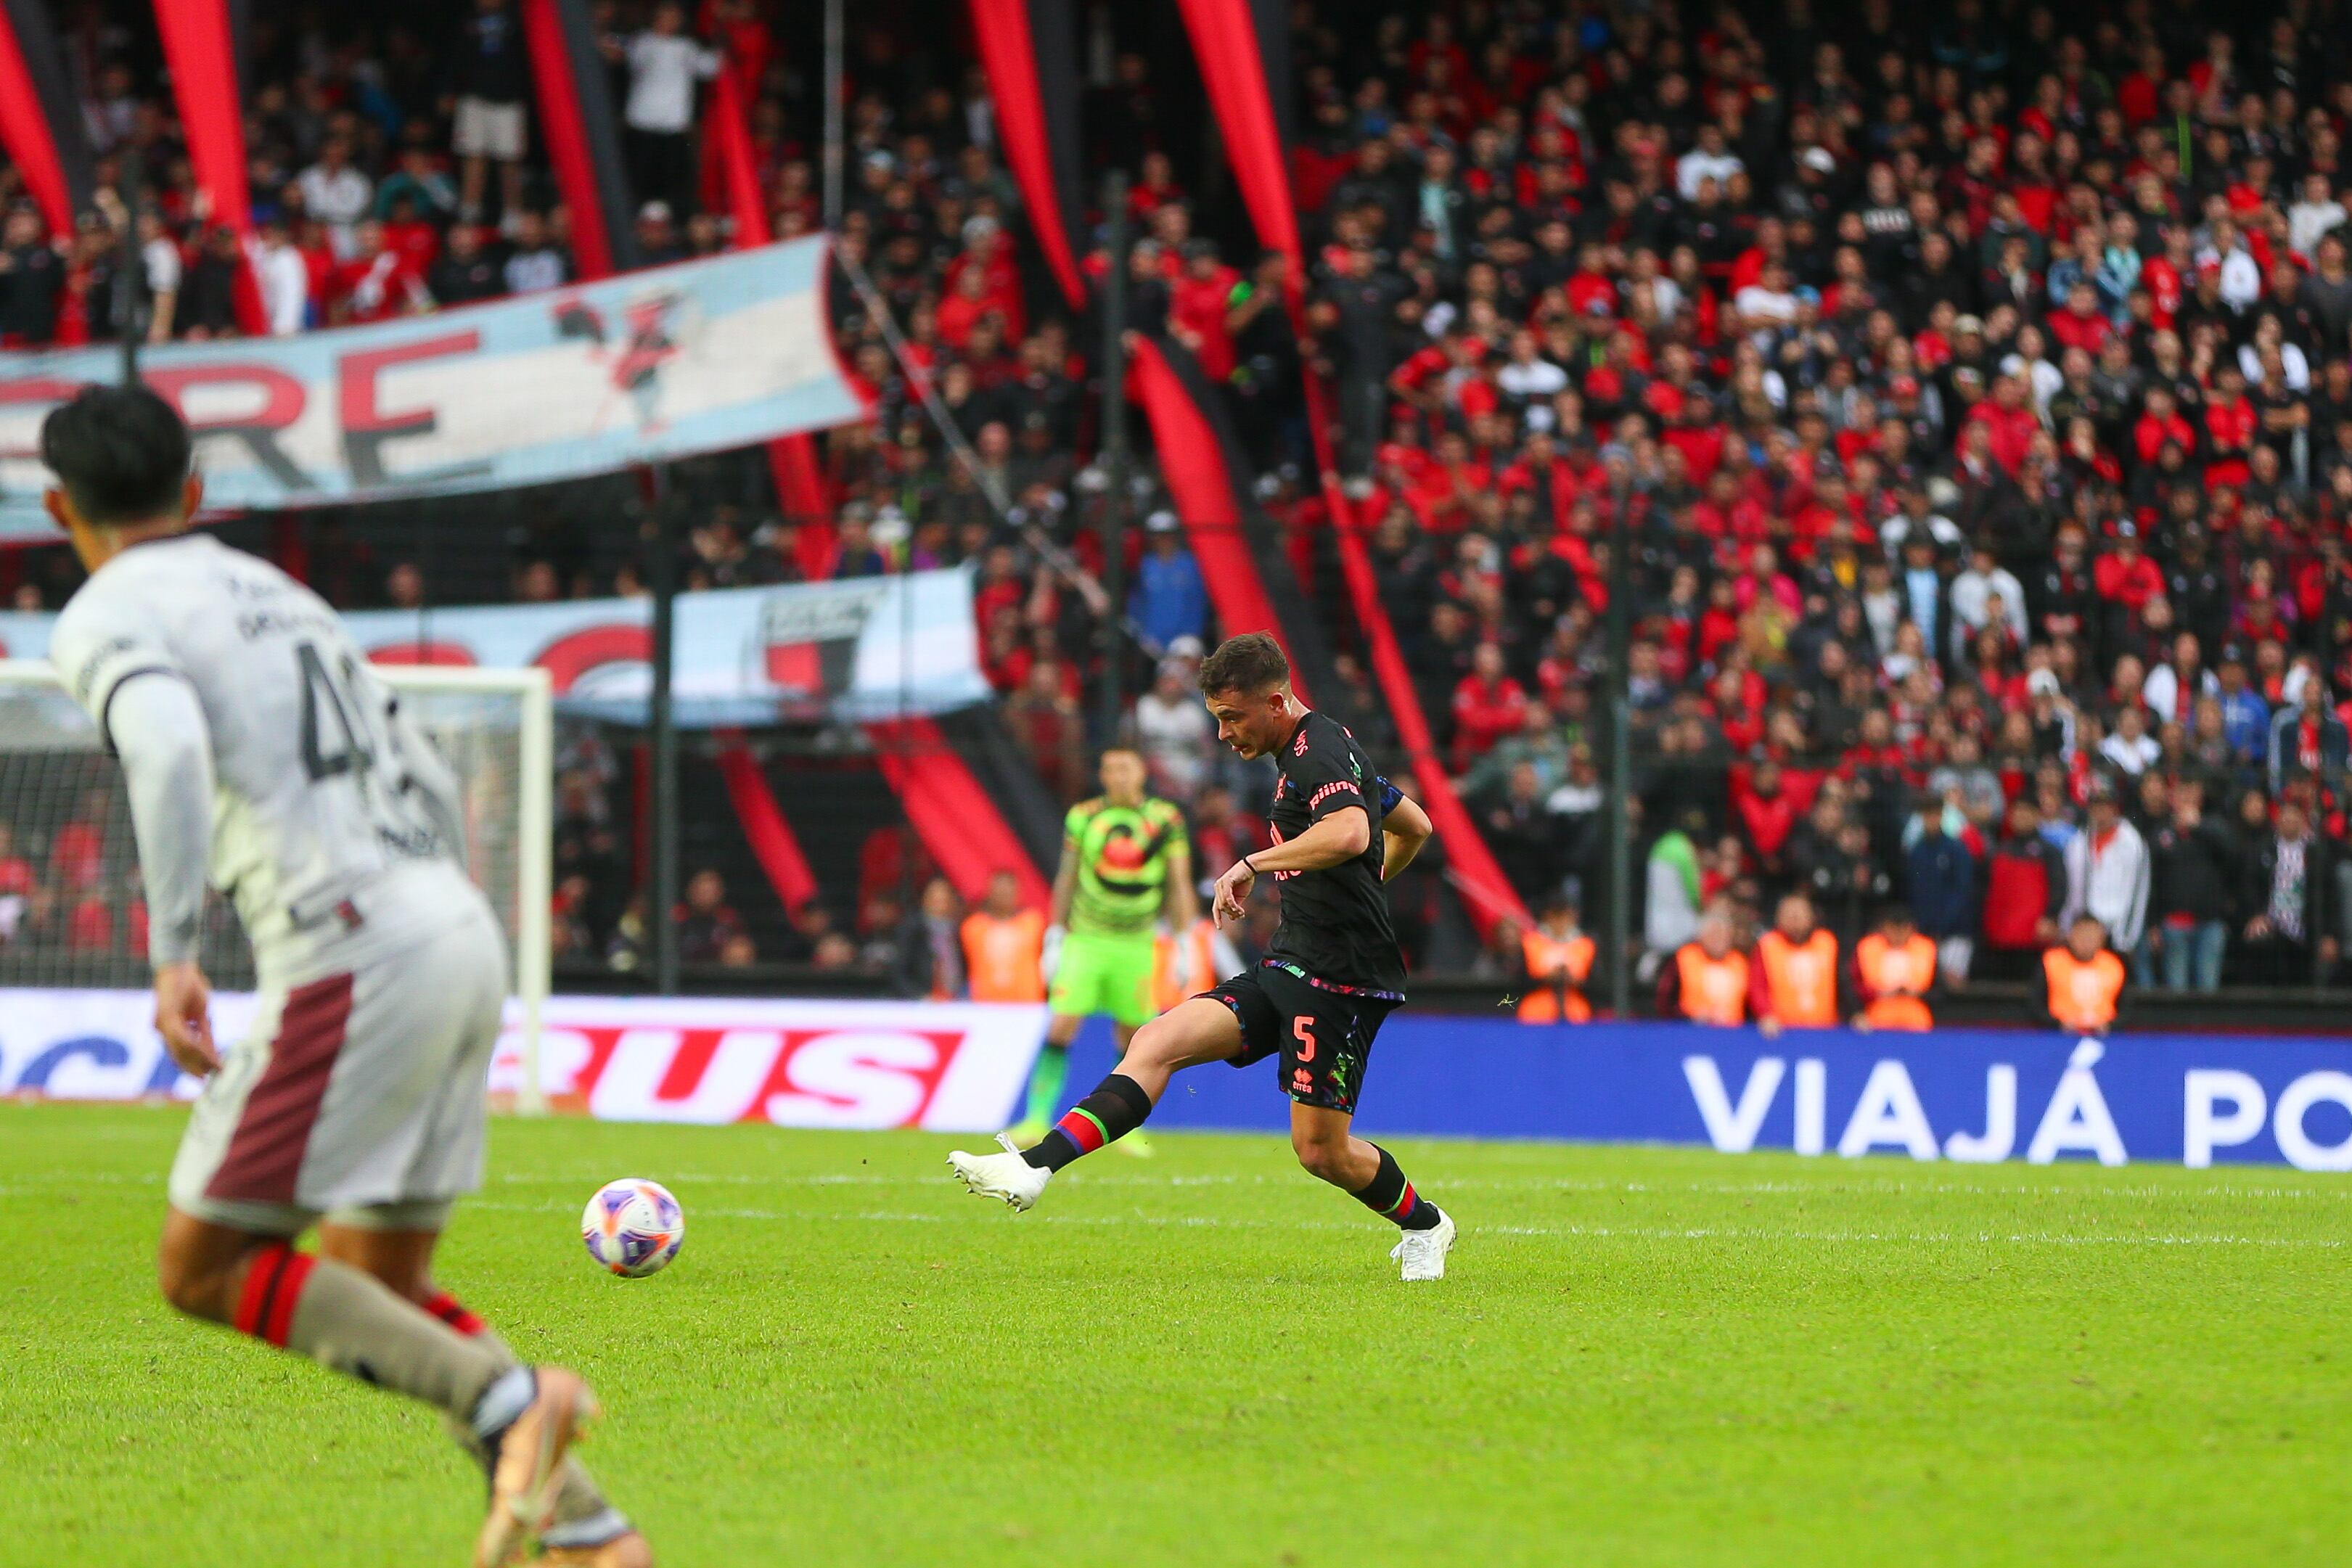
1975	392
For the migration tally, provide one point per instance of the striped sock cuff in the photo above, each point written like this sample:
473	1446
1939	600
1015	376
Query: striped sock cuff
450	1311
1082	1128
273	1284
1392	1198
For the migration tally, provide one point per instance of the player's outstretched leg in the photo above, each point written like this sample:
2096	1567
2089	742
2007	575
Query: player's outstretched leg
1199	1031
1321	1138
582	1531
1138	1143
348	1320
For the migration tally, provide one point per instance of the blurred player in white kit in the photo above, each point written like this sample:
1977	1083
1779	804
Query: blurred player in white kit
260	754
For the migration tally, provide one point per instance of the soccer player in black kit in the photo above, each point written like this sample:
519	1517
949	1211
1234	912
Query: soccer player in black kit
1330	975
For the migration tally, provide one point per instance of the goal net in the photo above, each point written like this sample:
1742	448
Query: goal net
72	911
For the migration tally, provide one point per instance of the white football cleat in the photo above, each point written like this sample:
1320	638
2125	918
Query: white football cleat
1423	1251
1009	1176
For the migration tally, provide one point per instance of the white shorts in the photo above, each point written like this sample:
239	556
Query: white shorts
487	130
358	1095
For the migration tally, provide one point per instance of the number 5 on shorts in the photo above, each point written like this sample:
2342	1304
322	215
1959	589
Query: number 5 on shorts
1306	1036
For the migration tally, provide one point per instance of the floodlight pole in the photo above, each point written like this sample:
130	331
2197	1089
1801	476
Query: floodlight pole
663	720
131	176
1114	456
835	131
1621	755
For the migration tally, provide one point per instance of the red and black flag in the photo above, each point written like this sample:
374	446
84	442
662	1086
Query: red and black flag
1250	581
40	123
1244	48
1030	49
200	45
583	138
203	44
791	459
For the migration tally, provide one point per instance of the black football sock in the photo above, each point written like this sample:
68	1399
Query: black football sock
1389	1195
1116	1108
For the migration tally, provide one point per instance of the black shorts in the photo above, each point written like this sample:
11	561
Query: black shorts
1325	1035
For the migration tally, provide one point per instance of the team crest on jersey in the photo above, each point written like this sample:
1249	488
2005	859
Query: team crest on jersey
1299	746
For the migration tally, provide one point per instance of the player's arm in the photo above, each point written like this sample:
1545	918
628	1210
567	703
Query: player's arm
1183	899
1404	829
157	728
1333	839
1065	882
1066	886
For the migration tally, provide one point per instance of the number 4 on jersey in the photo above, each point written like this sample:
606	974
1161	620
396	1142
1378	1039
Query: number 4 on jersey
319	690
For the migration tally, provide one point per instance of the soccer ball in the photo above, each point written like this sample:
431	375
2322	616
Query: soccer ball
633	1227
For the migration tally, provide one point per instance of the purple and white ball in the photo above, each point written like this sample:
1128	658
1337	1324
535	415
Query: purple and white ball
633	1227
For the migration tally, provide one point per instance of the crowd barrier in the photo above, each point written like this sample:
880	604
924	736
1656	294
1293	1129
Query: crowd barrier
1966	1095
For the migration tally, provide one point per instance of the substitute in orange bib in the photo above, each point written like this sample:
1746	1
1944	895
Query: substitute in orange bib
1794	982
2079	987
1895	967
1559	959
1001	944
1707	982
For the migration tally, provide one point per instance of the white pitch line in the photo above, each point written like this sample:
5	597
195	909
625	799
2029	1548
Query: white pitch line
1642	1233
1828	1188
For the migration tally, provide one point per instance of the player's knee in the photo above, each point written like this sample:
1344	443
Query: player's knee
192	1286
1154	1042
1321	1156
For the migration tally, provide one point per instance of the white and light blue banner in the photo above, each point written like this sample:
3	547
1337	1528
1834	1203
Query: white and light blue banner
697	357
856	649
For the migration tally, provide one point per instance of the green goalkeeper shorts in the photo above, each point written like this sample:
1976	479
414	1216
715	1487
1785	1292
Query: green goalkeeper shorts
1102	974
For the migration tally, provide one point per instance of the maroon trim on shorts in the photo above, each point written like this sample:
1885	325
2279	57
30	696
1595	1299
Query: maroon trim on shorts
265	1156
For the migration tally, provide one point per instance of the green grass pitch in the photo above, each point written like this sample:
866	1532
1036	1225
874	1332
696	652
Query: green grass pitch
1642	1357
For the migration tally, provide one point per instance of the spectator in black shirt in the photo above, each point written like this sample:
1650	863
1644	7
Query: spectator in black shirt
1359	308
2283	879
207	306
658	241
30	277
705	922
1523	834
468	273
2195	864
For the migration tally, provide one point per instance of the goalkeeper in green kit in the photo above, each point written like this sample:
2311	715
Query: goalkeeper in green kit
1126	866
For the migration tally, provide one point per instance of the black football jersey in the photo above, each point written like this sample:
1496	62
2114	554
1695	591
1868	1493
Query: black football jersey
1335	922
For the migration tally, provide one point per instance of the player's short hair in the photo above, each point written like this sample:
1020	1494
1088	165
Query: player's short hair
119	452
1249	663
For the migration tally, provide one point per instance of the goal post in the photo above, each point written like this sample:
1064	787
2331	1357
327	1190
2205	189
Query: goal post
72	912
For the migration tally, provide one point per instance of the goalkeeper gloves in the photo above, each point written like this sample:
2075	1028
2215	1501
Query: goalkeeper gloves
1049	957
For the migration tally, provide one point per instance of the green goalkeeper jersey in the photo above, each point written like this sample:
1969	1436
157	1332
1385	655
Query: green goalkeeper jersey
1123	860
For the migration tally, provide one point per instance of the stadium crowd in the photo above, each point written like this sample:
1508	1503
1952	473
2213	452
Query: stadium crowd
1970	389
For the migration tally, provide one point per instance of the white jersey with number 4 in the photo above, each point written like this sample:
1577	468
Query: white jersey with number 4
336	826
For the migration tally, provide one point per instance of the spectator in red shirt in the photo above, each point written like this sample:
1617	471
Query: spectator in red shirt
1768	815
1487	706
2081	325
377	284
1197	304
